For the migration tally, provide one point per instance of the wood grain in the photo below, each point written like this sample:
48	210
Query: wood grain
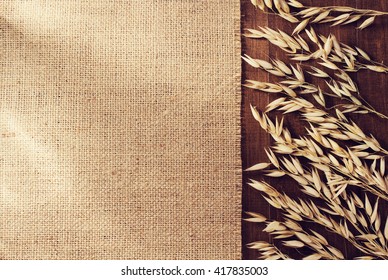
373	88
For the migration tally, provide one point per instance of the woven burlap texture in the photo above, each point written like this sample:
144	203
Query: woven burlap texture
120	129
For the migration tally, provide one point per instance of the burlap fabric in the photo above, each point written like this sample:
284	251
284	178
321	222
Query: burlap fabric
120	135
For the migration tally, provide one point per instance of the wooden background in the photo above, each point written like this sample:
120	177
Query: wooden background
373	87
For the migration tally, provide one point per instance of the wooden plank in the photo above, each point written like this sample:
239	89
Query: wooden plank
373	88
253	138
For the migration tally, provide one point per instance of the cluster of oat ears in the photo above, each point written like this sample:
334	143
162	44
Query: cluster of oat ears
340	168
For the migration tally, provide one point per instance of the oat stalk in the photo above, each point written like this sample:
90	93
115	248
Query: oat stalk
328	50
323	151
295	12
306	210
296	85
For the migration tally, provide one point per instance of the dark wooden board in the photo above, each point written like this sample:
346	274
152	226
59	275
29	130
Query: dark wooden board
374	87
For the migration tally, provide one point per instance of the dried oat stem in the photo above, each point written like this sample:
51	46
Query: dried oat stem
330	192
369	239
268	251
296	85
327	49
295	12
314	149
306	210
301	238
